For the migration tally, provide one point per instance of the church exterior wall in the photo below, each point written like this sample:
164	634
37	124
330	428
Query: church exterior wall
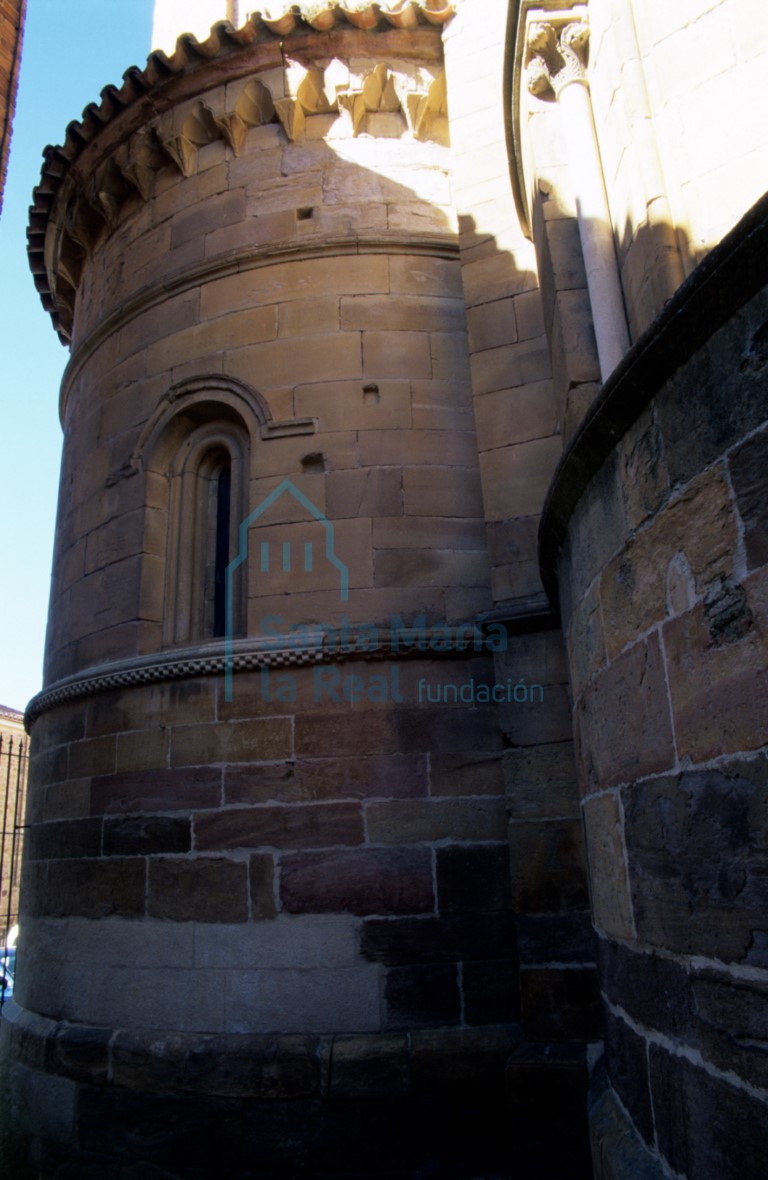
661	571
372	889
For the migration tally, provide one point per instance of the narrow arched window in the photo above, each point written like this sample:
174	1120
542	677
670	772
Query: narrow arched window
222	555
207	503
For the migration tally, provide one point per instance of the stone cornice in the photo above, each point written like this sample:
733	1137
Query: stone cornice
310	647
97	164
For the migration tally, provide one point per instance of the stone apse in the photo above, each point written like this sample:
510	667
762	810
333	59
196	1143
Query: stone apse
412	428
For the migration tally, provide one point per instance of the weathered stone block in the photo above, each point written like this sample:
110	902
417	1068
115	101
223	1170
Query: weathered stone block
408	821
96	888
373	492
607	856
627	1061
369	1067
209	214
516	478
422	997
396	354
653	991
749	472
732	1024
364	881
200	890
560	1004
556	938
705	1126
144	836
388	776
490	992
80	1052
696	882
475	937
256	740
515	415
717	670
63	839
432	491
633	691
548	866
253	1066
301	826
156	790
472	880
541	782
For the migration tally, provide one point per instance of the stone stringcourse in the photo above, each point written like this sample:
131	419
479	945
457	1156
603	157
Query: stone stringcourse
130	162
248	655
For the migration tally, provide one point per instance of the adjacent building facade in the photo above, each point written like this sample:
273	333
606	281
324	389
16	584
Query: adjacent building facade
398	791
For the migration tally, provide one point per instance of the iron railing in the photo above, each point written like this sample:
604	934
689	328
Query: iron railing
13	783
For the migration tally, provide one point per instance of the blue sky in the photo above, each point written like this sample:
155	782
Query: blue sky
72	49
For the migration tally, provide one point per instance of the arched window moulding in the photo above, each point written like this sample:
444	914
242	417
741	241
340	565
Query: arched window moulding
200	443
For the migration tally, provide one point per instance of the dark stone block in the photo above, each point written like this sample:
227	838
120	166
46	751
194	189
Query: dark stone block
190	1136
199	890
618	1152
541	782
370	1066
261	876
156	790
731	400
655	992
491	992
560	1004
439	940
556	938
138	835
546	1123
422	997
749	474
732	1024
449	731
96	888
157	1066
79	1051
462	1061
385	776
359	881
696	846
627	1062
282	826
253	1066
34	888
599	526
63	839
706	1127
266	783
548	866
473	879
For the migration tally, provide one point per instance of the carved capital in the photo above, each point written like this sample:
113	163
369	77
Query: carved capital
558	56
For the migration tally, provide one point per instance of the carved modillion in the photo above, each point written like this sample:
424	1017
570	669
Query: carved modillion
198	129
253	108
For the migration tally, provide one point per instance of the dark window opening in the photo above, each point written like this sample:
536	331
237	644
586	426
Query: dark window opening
221	549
